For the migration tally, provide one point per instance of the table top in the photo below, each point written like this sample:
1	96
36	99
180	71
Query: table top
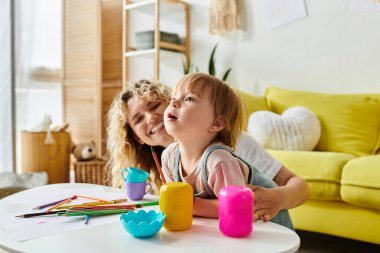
204	234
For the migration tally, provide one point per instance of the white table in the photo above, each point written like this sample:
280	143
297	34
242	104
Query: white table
203	236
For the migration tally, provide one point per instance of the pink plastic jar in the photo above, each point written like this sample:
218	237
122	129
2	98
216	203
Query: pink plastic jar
236	211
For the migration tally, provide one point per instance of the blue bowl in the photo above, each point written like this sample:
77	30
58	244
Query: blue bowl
142	223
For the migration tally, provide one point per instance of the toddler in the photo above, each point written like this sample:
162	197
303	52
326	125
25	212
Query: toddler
205	116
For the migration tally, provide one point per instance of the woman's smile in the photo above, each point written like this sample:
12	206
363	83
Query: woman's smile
157	129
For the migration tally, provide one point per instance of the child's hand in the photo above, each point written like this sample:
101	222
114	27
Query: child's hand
268	202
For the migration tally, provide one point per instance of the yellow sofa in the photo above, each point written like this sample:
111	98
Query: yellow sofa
343	171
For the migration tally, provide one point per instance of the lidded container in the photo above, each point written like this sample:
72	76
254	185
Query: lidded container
176	202
236	211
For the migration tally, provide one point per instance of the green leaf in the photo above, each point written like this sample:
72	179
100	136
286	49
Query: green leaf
211	64
185	68
225	76
193	68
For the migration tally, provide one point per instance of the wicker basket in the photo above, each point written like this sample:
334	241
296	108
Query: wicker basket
92	172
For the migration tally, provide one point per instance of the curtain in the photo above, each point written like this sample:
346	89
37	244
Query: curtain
6	154
38	64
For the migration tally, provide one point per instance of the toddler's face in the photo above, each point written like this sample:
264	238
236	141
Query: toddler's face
189	116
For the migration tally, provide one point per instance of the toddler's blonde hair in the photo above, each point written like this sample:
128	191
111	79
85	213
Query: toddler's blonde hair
225	100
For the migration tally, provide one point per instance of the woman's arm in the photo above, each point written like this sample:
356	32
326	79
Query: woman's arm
292	191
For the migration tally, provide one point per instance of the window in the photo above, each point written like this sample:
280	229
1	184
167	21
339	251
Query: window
37	67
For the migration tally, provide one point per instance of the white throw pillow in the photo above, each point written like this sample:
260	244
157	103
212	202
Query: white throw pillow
296	129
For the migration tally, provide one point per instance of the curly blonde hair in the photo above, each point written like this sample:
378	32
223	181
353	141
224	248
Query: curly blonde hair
124	150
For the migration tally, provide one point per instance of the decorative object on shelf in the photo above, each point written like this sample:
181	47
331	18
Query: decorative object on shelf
145	39
224	16
153	42
43	125
296	129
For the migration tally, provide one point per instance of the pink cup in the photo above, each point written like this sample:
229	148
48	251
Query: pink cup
236	211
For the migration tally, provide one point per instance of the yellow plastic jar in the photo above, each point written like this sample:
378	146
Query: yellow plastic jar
176	202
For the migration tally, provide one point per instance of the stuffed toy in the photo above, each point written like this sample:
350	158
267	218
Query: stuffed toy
84	151
43	125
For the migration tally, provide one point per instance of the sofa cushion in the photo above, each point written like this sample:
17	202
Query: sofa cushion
321	170
350	123
361	182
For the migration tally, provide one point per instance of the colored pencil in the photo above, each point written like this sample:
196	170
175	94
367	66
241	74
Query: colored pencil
116	201
59	204
102	207
93	198
87	219
28	215
129	206
152	203
112	207
97	209
158	164
51	204
97	212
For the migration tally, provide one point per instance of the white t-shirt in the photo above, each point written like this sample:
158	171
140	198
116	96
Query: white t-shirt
248	149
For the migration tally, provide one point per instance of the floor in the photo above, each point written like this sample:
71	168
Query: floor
320	243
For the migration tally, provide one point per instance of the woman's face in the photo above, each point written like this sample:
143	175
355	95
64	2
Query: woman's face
146	119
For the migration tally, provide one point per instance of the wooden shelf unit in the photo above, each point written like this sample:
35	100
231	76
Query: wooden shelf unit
160	9
95	57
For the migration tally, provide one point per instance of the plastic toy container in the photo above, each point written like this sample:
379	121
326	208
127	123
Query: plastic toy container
176	202
236	211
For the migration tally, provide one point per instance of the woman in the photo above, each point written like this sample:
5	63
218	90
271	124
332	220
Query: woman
135	123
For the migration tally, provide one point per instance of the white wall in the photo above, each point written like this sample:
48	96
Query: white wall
334	49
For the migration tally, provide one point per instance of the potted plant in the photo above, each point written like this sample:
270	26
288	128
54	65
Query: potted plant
191	67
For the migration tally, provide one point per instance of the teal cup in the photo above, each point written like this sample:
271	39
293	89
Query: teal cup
134	175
